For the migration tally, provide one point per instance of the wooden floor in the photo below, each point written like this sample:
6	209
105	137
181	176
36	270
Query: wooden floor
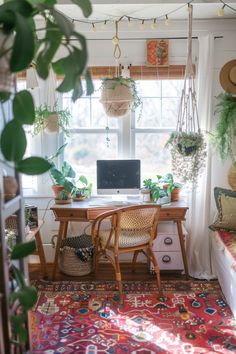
106	272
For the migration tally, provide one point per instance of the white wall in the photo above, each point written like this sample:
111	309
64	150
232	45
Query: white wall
134	52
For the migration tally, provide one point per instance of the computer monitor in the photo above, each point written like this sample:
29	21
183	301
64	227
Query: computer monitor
118	177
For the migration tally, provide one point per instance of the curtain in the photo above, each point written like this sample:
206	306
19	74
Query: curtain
199	216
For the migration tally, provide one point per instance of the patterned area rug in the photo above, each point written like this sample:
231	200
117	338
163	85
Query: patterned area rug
85	317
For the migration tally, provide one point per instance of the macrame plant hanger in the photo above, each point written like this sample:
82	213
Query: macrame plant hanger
188	120
187	145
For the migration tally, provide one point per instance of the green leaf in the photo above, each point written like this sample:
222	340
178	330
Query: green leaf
63	22
23	107
18	277
13	141
27	297
85	6
22	7
22	250
33	165
83	180
18	322
78	90
89	83
23	47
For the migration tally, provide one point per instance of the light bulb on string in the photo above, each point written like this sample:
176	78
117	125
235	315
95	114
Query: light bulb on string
154	24
221	12
167	21
93	28
115	40
130	23
142	26
104	25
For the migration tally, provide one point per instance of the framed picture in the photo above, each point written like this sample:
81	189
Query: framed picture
157	52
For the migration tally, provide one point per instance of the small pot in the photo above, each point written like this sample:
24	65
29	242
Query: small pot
52	124
57	189
10	186
175	194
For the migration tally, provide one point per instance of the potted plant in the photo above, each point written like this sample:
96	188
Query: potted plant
188	153
173	187
158	194
51	120
224	136
119	95
63	182
84	190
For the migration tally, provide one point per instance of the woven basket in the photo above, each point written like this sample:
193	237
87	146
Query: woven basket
76	255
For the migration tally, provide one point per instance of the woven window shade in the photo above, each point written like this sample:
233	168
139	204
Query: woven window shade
172	72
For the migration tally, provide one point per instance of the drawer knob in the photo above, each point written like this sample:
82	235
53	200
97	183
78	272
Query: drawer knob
168	241
166	259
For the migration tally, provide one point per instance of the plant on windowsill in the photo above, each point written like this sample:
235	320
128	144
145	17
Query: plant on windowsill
223	137
158	194
119	95
51	120
173	187
84	190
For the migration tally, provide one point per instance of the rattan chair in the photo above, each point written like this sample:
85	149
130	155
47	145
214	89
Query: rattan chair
131	229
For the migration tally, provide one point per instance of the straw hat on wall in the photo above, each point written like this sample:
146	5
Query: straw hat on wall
228	77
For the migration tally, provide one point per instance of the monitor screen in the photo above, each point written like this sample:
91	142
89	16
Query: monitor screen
118	176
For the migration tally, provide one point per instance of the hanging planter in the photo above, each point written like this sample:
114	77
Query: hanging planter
119	96
7	79
51	121
187	144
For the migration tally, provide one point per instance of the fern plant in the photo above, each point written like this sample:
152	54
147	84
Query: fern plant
224	135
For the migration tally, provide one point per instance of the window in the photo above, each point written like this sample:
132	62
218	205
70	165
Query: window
129	137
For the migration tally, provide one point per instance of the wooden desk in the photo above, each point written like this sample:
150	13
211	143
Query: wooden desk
88	210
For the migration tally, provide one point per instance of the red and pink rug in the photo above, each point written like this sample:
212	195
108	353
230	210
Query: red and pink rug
85	317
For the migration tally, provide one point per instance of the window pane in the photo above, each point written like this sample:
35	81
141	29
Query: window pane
172	88
151	114
170	108
149	88
155	159
83	150
80	111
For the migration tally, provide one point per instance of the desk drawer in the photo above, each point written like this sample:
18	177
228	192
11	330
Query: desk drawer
93	213
172	213
166	242
72	214
169	260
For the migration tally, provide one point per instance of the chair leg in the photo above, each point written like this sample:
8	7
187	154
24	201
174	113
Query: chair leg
156	269
118	277
135	256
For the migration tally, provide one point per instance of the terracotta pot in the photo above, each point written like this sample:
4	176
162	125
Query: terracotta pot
10	186
232	177
175	194
57	189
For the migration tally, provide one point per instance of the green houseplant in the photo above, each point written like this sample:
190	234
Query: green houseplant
224	135
119	95
188	153
23	42
51	120
83	188
173	187
156	188
63	182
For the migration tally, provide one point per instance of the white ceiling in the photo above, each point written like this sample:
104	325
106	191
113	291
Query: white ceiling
141	9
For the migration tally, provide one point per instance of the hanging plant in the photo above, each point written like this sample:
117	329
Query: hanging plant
51	120
187	145
119	95
224	135
188	153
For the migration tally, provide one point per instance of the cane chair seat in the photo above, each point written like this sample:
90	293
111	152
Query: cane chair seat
132	229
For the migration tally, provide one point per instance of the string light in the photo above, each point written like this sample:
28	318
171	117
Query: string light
154	24
142	26
93	29
221	12
167	21
130	23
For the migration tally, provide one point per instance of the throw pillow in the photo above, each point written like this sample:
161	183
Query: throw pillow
226	205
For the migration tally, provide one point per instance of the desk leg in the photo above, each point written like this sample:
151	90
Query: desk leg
61	235
41	254
181	240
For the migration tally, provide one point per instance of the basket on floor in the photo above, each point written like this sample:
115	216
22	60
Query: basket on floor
76	255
